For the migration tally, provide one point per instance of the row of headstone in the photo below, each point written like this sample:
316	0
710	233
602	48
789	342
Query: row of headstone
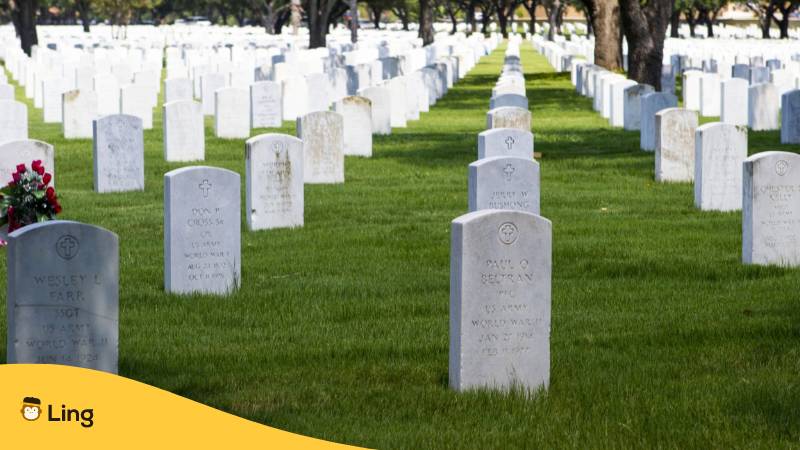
501	260
714	156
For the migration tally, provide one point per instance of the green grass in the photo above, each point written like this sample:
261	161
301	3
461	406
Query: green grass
660	336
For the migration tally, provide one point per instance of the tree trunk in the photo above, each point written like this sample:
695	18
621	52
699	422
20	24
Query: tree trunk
645	29
690	20
24	14
426	21
608	37
317	23
502	20
470	17
709	25
675	23
452	14
83	10
353	21
486	18
783	24
376	16
552	19
766	21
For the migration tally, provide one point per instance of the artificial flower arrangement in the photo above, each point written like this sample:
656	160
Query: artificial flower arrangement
28	198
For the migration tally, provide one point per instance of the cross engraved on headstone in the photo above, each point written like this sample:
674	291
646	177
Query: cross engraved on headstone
67	247
205	186
510	142
509	170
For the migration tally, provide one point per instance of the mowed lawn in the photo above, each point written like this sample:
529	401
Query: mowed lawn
660	336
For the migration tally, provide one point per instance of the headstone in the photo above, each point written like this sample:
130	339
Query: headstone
504	182
6	91
202	230
322	134
135	101
763	107
357	122
617	101
509	117
52	88
710	95
632	105
498	101
675	130
63	295
771	210
108	94
13	120
734	102
25	151
118	153
231	113
790	117
505	142
381	99
274	170
720	150
265	105
80	109
209	83
184	131
759	75
652	104
500	300
178	89
741	71
691	89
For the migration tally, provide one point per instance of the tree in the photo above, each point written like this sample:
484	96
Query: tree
426	21
786	8
321	14
554	10
608	35
765	11
530	6
504	10
268	11
402	10
645	27
451	7
23	16
83	7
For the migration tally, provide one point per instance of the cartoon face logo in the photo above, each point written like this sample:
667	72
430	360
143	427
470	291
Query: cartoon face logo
31	408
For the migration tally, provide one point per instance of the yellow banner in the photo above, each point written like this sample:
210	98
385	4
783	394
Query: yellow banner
51	406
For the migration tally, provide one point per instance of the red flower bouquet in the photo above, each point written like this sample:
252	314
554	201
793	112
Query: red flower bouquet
28	198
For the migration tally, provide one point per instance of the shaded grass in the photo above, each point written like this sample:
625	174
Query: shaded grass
661	338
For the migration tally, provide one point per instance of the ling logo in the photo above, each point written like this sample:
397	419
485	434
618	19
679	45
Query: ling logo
32	410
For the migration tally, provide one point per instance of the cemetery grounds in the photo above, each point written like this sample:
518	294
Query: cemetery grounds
660	336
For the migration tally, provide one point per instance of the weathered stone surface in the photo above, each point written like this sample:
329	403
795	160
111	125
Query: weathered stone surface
274	171
232	113
381	99
675	129
720	150
500	300
202	230
734	104
763	107
265	105
322	134
508	99
63	295
509	117
357	125
184	131
134	101
13	120
632	105
790	117
80	109
504	182
771	209
118	153
209	83
178	89
652	104
25	151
